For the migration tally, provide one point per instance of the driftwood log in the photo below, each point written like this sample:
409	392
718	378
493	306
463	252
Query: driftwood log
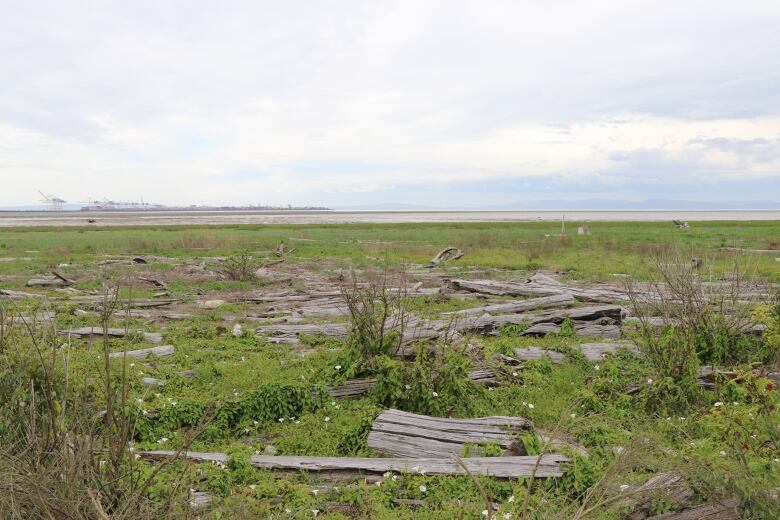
545	302
85	332
355	388
722	510
592	351
351	468
405	434
164	350
447	254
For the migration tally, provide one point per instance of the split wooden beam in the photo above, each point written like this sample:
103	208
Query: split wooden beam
163	350
405	434
352	468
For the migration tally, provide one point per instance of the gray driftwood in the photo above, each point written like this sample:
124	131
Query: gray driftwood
405	434
545	302
84	332
722	510
164	350
669	485
447	254
534	353
354	388
351	468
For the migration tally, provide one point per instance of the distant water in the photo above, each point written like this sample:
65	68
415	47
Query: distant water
167	218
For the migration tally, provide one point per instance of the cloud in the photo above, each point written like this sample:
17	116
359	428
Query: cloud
312	102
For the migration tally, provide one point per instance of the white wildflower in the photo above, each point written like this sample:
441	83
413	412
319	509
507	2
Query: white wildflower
435	394
327	419
623	487
511	499
649	381
423	489
530	405
718	404
338	367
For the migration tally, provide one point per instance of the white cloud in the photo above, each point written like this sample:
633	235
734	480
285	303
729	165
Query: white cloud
276	102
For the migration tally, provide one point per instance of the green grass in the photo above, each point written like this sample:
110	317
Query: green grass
269	395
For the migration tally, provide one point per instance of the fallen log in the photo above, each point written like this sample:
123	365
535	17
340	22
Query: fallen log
405	434
176	315
722	510
18	294
289	333
447	254
668	486
497	288
164	350
592	351
65	281
355	388
581	329
84	332
536	353
546	302
45	282
351	468
138	304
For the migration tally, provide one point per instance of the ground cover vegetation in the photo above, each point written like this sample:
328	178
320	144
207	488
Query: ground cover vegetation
281	341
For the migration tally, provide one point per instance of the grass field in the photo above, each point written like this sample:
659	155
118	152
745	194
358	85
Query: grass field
239	393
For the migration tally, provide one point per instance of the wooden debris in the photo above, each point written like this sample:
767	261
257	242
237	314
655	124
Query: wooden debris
66	281
355	388
138	304
45	282
582	329
447	254
583	230
351	468
681	224
151	382
18	294
668	485
502	288
83	332
176	315
723	510
210	304
155	282
598	351
406	434
286	333
164	350
546	302
535	353
200	499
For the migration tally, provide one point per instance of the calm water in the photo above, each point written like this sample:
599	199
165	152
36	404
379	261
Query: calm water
162	218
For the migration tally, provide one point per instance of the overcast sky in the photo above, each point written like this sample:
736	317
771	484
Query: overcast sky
449	103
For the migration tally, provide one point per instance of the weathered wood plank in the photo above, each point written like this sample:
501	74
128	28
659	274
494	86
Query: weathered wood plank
723	510
164	350
546	302
354	388
410	435
350	468
83	332
535	353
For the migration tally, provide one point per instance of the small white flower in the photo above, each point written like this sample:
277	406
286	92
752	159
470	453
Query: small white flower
315	491
255	423
327	419
572	415
682	418
723	453
649	381
435	394
514	374
407	387
140	401
507	516
718	404
287	510
333	403
281	419
511	499
395	477
423	489
623	487
315	512
132	365
252	486
597	367
338	367
378	483
484	512
530	405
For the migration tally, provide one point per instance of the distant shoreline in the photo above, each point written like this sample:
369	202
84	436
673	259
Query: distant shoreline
270	217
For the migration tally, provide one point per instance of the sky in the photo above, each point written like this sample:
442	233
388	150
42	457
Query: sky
351	103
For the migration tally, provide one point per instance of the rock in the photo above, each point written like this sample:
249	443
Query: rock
236	330
270	450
